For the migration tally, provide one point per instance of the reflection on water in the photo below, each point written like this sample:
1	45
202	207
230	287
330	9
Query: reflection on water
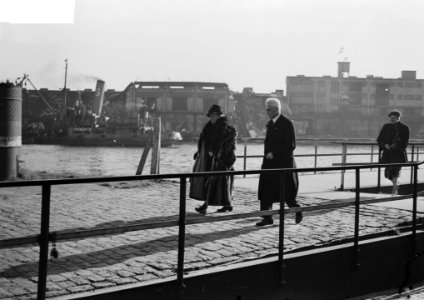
104	161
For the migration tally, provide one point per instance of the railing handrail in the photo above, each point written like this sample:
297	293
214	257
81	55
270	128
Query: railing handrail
318	155
66	181
45	235
411	141
82	233
414	144
372	143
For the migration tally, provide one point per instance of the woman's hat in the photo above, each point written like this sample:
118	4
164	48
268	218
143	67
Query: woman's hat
394	113
215	109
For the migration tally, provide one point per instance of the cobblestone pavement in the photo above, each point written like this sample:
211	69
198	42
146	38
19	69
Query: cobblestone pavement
95	263
417	293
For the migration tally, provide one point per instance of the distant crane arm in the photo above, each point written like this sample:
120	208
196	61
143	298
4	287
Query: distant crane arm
26	78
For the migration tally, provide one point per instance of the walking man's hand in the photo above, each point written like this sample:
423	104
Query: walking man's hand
269	156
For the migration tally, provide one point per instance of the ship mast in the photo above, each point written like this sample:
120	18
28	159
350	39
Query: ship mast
66	75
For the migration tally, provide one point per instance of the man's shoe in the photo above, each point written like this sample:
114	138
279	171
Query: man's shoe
265	221
299	217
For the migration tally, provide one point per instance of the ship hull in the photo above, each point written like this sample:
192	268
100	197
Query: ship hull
90	142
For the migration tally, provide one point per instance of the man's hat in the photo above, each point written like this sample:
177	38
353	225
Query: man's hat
215	109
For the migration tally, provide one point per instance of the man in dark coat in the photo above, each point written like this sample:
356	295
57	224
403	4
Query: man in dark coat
392	141
280	142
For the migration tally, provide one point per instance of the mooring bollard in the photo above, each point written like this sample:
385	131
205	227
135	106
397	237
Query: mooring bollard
10	129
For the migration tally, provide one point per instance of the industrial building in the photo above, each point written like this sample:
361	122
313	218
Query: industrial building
182	105
345	105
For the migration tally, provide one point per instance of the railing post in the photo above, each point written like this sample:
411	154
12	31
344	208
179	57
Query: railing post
379	172
344	152
245	158
281	228
44	241
372	154
357	202
412	160
414	209
181	237
418	153
315	156
412	152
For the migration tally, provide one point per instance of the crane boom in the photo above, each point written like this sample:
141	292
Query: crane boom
26	78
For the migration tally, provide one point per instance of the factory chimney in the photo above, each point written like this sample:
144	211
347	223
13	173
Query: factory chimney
98	97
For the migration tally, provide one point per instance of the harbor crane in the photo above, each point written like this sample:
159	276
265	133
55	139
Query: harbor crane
22	81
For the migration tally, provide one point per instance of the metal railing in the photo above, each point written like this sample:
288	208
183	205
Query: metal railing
46	235
414	145
414	157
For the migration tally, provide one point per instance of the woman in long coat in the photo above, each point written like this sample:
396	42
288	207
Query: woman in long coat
392	141
216	152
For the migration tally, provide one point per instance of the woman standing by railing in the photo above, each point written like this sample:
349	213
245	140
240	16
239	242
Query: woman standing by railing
392	141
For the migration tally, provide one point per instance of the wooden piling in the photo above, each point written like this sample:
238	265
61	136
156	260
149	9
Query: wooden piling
155	166
143	158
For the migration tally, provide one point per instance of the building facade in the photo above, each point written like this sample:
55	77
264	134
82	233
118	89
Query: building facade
351	106
181	105
250	108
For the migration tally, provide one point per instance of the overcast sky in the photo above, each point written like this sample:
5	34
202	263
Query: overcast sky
249	43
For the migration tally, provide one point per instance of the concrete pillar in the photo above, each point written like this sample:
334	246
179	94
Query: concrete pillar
10	130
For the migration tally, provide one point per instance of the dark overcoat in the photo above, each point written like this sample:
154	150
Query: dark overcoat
202	163
221	141
397	136
280	140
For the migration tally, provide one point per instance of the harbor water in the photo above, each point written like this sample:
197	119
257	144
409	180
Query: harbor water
44	161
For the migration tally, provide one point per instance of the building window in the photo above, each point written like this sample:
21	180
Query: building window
300	80
334	87
410	111
208	102
321	96
302	95
355	86
382	92
179	104
410	84
355	99
409	97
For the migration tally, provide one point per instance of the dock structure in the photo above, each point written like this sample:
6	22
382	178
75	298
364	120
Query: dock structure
102	265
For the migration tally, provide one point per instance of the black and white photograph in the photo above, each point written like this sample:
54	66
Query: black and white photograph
211	149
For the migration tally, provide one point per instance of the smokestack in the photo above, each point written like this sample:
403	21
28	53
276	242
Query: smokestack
98	97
